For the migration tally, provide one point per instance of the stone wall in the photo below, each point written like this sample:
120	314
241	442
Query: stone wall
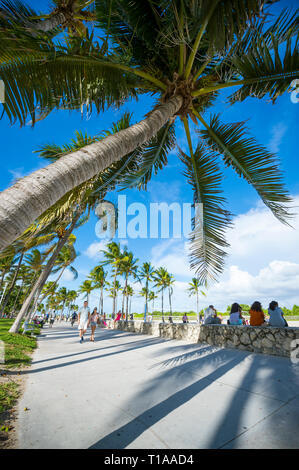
266	340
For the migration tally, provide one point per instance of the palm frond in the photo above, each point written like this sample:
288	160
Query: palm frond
211	219
266	69
151	157
71	76
250	160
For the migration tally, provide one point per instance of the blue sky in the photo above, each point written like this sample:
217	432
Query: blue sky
257	238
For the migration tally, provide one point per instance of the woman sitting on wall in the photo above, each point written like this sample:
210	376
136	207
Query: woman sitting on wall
257	317
276	315
235	317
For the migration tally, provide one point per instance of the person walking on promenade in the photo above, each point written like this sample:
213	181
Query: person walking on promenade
83	320
94	319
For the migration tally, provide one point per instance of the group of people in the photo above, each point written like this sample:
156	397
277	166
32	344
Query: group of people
257	316
86	319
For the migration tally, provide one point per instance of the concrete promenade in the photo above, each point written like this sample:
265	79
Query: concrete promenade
130	391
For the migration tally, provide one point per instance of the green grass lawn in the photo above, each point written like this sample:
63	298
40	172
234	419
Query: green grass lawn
18	351
18	347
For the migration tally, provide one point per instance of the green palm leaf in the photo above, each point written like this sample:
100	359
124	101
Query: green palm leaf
151	158
208	236
251	161
265	69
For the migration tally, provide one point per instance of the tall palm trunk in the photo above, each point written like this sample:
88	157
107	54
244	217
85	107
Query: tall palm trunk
197	314
2	278
170	307
162	307
101	310
26	200
146	308
114	294
43	276
18	295
12	285
125	294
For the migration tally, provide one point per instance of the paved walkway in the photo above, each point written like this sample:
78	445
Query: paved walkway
135	391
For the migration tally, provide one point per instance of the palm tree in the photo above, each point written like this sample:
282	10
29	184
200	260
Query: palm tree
62	294
99	278
169	284
65	14
151	297
130	293
144	293
194	289
146	272
86	288
69	213
161	277
128	268
71	297
114	257
113	292
20	248
184	52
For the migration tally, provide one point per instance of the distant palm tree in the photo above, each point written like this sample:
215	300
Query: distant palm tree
113	292
169	282
151	297
130	293
161	277
99	278
128	268
86	288
194	289
146	272
71	297
114	257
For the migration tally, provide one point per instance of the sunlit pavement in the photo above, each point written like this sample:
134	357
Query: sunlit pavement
140	392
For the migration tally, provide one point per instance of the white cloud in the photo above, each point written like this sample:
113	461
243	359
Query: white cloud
67	276
278	131
94	250
17	173
263	263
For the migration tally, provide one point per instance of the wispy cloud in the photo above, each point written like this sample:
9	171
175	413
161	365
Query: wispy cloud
277	132
17	173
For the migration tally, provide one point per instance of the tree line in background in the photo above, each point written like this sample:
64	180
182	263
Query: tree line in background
93	55
18	275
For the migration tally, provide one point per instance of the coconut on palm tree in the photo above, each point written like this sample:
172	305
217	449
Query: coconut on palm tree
184	52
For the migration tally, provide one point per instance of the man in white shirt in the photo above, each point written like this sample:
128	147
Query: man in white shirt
83	320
